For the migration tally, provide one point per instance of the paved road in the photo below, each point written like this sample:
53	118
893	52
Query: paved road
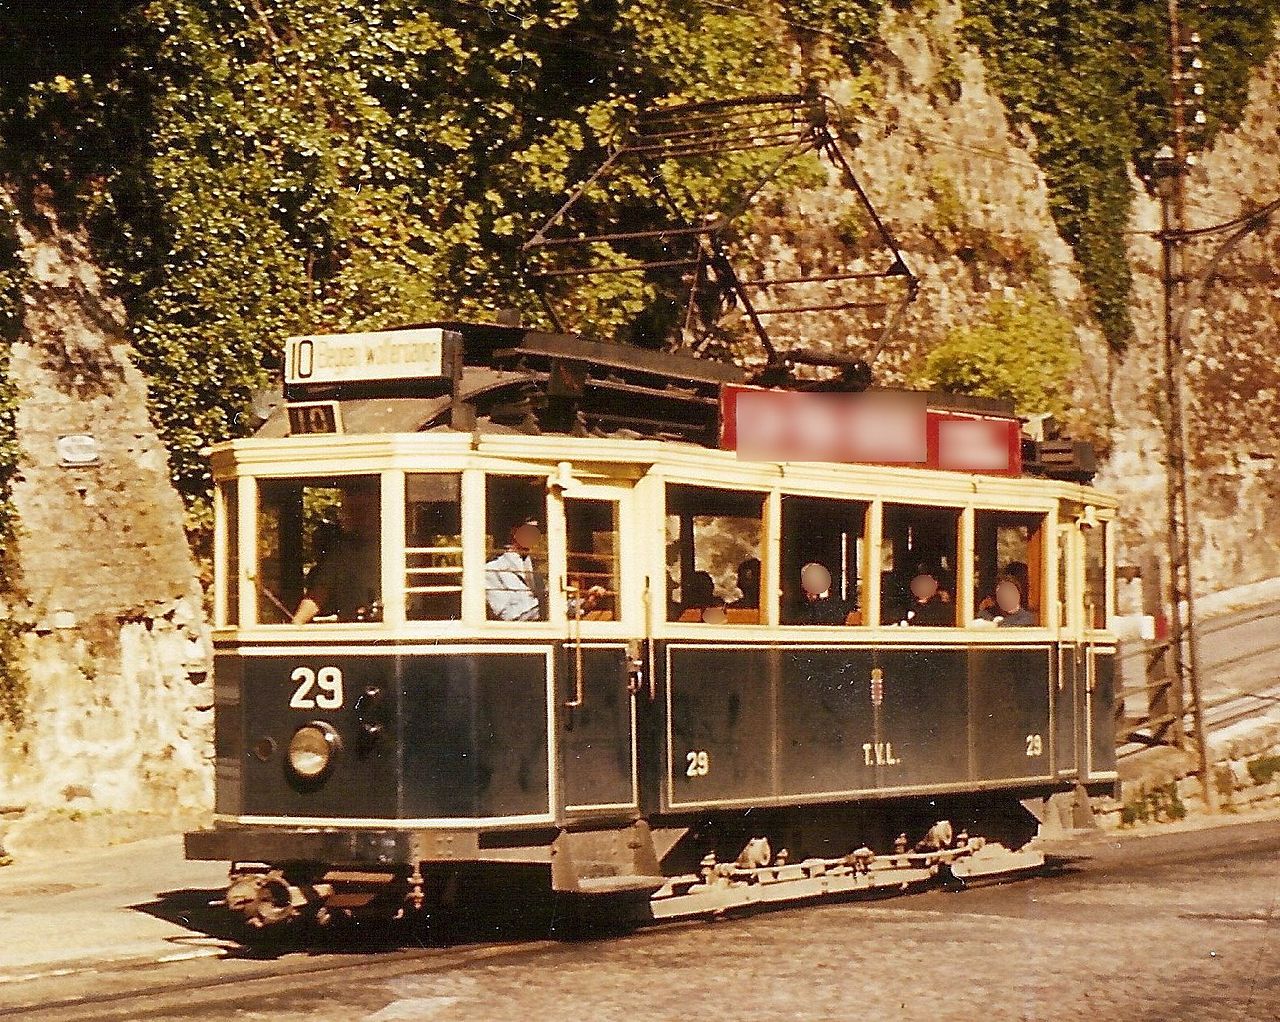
1181	925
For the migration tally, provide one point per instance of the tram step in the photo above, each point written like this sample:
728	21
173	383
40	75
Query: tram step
624	884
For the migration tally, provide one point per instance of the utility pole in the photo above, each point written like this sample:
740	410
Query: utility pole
1171	168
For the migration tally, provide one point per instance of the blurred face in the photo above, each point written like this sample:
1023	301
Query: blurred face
924	587
815	579
525	537
1008	599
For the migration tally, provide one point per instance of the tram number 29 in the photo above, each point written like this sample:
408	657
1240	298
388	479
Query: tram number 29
697	764
320	689
1035	746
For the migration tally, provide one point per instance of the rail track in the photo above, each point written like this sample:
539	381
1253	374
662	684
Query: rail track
202	986
199	987
1240	669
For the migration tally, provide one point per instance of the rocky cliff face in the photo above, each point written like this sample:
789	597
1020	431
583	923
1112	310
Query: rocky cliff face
961	190
118	698
1233	364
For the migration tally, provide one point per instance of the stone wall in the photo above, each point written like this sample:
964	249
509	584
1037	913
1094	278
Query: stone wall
118	705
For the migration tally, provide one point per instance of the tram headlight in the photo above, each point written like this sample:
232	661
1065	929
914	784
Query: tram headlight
312	750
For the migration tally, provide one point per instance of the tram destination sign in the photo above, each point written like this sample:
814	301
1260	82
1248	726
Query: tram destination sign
873	427
366	357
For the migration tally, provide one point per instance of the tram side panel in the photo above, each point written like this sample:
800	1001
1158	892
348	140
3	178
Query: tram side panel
228	735
826	722
474	735
924	738
806	723
1010	691
721	720
1101	702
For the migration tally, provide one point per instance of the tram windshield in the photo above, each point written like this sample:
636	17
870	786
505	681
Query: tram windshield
515	575
433	546
591	529
319	550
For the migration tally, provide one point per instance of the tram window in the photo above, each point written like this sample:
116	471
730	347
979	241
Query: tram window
823	553
713	555
1095	576
1008	545
433	547
593	565
231	567
918	565
319	550
515	575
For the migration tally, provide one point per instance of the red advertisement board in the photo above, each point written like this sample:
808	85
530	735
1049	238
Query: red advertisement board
874	427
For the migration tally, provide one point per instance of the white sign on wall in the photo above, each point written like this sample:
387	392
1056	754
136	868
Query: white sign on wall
348	358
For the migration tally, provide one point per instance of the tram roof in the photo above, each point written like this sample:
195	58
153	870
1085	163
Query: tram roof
502	379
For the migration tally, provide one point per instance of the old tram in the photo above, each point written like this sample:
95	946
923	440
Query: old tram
616	737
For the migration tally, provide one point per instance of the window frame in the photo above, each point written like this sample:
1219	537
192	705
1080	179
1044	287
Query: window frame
627	616
1047	613
871	525
389	546
962	598
770	524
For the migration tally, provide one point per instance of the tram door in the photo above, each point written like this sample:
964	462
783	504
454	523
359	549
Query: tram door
596	713
1070	675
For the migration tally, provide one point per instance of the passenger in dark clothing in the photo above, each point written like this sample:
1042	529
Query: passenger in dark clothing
1016	571
699	594
817	604
749	583
927	607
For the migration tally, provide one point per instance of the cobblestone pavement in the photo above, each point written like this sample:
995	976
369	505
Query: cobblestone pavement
1174	926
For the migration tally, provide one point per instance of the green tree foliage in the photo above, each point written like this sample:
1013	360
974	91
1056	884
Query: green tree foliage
1023	350
254	168
1090	78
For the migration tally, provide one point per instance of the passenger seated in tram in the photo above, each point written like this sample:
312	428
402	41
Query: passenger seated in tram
749	583
514	588
699	601
589	600
928	605
346	583
1008	611
1021	575
817	604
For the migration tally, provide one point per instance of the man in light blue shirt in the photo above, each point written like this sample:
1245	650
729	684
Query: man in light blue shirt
513	587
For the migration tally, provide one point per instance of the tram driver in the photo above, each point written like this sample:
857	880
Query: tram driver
514	588
347	582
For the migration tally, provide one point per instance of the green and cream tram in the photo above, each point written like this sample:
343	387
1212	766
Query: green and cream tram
594	719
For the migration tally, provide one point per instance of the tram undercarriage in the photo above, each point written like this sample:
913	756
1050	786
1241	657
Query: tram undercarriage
626	875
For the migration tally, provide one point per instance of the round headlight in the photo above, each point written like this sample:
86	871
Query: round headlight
311	750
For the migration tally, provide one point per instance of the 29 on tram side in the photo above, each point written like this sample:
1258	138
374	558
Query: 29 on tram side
465	626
